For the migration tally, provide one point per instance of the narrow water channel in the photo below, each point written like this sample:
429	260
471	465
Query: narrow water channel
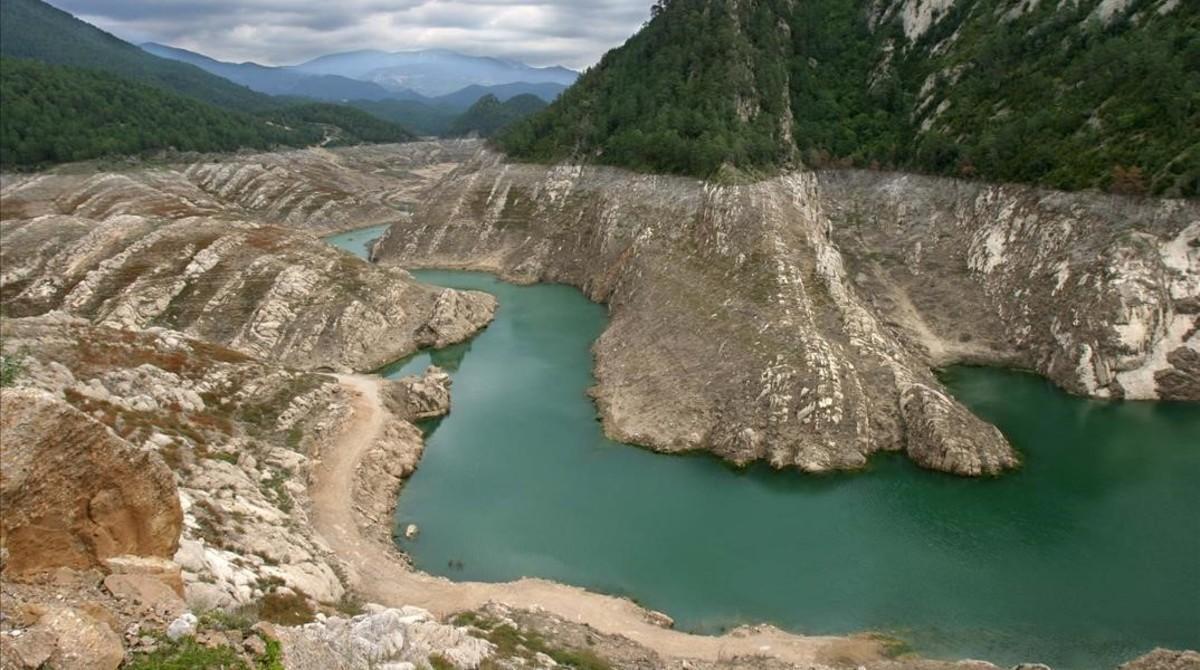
1089	556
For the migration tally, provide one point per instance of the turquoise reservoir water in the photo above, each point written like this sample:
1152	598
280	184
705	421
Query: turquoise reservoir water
1088	556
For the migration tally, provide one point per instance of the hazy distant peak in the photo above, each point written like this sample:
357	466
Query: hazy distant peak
432	72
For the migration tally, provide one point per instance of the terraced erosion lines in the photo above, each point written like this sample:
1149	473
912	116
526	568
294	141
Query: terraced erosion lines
187	248
796	320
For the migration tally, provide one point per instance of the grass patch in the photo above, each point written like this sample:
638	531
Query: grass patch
294	437
273	488
187	654
350	605
273	659
242	620
12	366
229	458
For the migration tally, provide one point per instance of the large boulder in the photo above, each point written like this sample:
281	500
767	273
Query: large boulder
66	639
74	492
419	397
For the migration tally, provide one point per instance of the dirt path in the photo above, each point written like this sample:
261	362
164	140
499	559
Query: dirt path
379	575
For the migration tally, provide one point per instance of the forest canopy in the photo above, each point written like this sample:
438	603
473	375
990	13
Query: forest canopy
1054	96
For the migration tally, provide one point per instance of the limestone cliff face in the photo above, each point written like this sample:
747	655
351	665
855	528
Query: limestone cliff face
74	492
734	327
743	324
1098	293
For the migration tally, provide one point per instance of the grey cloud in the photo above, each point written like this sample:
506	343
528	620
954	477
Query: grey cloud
574	33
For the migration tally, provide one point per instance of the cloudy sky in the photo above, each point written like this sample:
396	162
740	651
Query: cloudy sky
574	33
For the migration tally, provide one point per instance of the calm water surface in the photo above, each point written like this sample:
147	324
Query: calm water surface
1088	556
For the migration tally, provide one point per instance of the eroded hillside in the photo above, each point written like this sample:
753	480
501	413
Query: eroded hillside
187	249
796	320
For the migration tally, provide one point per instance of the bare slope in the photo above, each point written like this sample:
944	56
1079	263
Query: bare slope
745	320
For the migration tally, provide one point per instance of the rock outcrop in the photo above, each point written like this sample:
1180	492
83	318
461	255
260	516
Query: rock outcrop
74	492
1165	659
758	321
1099	293
234	431
67	639
397	451
269	292
392	638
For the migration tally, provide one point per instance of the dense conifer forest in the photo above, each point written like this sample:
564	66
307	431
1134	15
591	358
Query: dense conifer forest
1046	93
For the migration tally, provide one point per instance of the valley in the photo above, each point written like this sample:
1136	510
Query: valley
692	335
455	204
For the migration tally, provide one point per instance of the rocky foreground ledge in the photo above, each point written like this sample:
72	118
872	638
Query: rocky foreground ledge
798	320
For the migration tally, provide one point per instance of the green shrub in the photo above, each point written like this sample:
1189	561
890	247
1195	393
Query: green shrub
12	366
187	654
287	609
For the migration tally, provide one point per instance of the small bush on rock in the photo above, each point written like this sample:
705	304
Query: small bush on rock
187	654
285	608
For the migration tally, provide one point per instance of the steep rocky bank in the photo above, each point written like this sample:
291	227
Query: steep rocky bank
1099	293
266	291
760	322
219	249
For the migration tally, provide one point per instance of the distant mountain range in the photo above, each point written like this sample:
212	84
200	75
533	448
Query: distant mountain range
436	77
276	80
74	92
399	87
433	72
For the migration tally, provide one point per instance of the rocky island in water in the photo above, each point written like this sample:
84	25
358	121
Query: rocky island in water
286	386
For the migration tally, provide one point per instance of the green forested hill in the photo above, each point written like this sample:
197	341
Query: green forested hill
419	117
347	124
53	113
1064	94
488	115
35	30
72	91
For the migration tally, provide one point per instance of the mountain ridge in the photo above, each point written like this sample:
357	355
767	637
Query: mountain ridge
274	80
1074	95
431	72
35	30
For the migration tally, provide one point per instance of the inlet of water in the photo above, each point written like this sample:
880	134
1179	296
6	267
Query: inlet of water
1086	557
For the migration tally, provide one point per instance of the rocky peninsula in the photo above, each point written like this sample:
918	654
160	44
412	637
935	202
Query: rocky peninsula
799	320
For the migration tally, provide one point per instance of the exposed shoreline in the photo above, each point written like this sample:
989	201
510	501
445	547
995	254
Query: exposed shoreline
380	574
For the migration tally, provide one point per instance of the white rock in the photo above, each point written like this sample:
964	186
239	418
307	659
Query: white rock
184	626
